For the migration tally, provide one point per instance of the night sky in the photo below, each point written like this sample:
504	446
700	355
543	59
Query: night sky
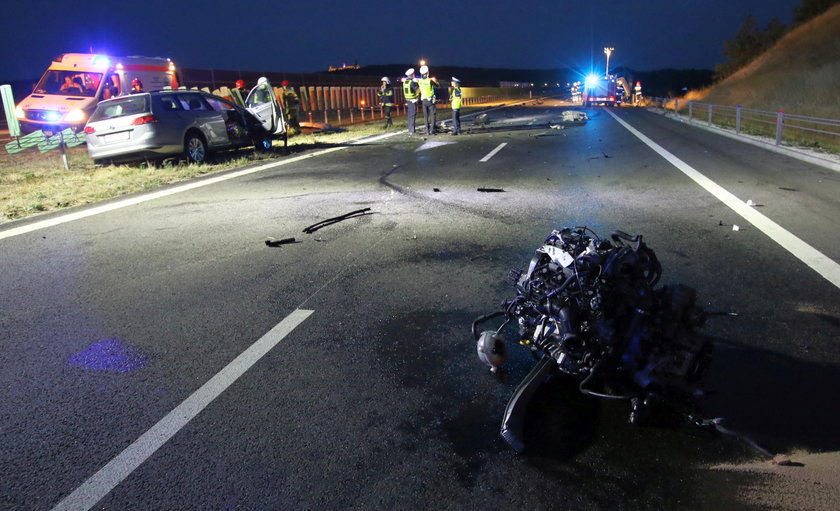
300	36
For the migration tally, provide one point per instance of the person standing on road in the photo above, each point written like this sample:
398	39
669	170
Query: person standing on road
455	101
427	97
292	104
386	99
410	91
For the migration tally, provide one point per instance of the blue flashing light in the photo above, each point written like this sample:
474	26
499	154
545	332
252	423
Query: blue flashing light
101	60
592	79
53	116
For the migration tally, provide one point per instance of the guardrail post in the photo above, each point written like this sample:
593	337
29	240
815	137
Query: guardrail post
690	110
710	114
676	107
780	122
738	119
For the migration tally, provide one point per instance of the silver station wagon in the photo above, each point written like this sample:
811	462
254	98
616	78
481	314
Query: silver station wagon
181	124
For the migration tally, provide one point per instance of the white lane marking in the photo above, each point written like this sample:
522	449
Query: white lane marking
69	217
432	145
493	152
815	259
108	477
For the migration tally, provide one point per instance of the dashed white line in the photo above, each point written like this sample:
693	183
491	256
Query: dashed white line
108	477
493	152
812	257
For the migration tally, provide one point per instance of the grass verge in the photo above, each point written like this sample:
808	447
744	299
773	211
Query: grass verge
32	183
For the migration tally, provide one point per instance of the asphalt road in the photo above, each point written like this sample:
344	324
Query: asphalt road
376	399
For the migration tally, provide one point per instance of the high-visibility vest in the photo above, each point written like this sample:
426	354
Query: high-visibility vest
386	96
408	91
427	90
455	98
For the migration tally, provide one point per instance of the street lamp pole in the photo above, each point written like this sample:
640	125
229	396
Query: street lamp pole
608	52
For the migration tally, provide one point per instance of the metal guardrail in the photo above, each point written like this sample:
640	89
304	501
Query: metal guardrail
782	127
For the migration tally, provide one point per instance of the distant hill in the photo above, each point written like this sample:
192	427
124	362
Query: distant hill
800	74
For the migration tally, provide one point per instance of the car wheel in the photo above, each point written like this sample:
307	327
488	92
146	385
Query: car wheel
195	149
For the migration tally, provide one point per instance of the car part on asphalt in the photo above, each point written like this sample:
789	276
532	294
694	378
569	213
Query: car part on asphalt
277	243
329	221
589	309
490	190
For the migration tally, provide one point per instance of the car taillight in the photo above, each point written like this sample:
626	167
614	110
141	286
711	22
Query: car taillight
146	119
89	130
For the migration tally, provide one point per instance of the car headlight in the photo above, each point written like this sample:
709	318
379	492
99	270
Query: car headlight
19	113
75	116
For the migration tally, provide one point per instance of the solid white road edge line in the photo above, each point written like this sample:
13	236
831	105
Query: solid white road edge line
815	259
493	152
108	477
69	217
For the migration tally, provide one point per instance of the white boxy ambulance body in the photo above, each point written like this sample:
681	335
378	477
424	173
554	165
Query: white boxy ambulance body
75	82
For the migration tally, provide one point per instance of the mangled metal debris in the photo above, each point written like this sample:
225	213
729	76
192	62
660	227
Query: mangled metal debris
589	309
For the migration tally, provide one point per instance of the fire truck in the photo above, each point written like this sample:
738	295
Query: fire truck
599	90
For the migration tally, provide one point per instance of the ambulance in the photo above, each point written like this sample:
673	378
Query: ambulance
75	82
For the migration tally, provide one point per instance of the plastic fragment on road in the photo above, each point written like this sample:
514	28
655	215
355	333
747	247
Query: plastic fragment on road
277	243
750	202
490	190
782	460
329	221
735	227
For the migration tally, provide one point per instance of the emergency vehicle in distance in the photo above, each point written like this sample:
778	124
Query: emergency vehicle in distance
599	90
74	83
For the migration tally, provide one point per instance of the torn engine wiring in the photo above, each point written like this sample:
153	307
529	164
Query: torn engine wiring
589	308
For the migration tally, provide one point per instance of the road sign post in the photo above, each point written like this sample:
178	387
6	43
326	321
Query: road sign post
9	107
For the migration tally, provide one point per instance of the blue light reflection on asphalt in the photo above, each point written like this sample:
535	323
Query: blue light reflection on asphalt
109	355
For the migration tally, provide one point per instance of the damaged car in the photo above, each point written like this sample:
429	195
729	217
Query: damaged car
186	124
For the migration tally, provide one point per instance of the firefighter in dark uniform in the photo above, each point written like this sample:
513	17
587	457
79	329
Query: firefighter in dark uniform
427	97
411	93
455	102
292	104
386	99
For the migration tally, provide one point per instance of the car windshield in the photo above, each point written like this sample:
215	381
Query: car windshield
69	83
128	105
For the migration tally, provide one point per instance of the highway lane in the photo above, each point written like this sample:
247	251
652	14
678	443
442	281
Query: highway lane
377	399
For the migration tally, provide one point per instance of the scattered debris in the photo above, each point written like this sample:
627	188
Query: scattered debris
329	221
574	116
785	188
490	190
750	202
735	227
435	189
782	460
276	243
589	308
481	120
